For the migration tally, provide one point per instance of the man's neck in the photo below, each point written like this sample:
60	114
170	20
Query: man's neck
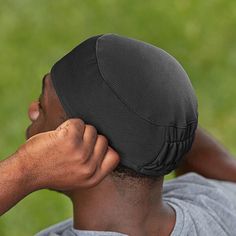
134	210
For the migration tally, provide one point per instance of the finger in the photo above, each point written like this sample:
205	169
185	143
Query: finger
89	139
99	151
89	133
109	163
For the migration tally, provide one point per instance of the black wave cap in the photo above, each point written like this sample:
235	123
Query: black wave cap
135	94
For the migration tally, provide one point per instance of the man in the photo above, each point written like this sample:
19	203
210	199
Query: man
141	99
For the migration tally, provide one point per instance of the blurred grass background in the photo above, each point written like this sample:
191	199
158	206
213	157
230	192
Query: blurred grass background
34	34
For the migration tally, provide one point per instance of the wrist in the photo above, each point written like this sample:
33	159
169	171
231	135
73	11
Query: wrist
24	171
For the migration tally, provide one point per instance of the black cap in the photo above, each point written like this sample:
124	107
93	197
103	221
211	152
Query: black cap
135	94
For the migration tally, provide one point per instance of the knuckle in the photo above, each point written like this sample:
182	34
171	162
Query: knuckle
80	125
76	121
91	129
68	122
74	132
54	139
75	124
63	132
103	139
80	121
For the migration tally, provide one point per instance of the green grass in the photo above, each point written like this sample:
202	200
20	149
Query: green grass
34	34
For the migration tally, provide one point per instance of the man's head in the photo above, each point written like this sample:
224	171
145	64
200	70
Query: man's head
135	94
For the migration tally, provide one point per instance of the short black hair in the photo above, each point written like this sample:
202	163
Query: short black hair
122	172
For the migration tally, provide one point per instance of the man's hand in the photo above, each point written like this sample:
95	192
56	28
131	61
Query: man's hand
72	156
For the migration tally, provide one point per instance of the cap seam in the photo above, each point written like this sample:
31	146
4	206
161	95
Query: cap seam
126	105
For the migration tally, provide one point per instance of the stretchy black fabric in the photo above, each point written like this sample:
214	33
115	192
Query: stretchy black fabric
135	94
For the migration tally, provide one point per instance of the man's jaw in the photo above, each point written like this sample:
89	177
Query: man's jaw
30	131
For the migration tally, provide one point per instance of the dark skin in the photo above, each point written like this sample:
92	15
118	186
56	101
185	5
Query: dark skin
208	158
118	206
136	213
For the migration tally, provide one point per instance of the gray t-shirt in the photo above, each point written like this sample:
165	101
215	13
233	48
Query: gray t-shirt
203	207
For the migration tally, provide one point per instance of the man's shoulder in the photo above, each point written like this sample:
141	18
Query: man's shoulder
197	181
193	186
203	206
